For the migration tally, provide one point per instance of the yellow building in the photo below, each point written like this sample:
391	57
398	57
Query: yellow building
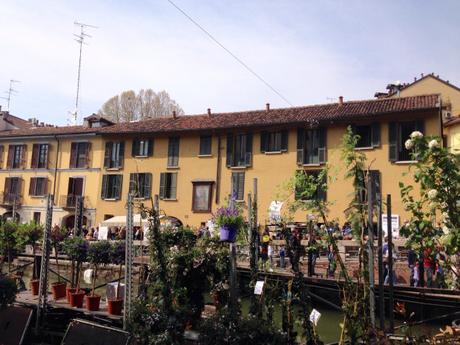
194	162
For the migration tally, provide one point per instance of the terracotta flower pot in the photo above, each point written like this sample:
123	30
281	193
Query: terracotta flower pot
59	290
93	302
68	291
115	306
76	299
34	286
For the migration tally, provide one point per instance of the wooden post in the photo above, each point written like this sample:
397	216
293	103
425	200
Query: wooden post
370	227
380	258
390	264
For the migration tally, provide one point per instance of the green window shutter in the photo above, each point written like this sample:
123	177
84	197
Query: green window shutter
263	141
234	186
300	145
393	141
241	186
229	158
322	191
150	148
108	154
377	188
148	185
104	187
248	152
284	140
32	187
73	155
162	185
121	155
322	149
118	186
135	148
132	184
375	134
173	187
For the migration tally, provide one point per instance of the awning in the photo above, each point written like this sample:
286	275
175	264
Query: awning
121	221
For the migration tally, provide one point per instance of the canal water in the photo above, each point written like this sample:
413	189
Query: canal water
328	325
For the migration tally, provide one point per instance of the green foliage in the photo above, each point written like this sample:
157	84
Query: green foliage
76	248
229	215
99	253
8	237
118	253
58	235
29	234
8	291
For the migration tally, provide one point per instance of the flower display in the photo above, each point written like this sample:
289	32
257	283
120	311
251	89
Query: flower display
416	135
409	144
228	216
433	144
432	194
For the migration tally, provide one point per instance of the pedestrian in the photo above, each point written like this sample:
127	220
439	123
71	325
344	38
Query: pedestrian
282	254
96	233
411	262
264	255
202	230
440	278
429	266
416	274
332	266
270	255
394	255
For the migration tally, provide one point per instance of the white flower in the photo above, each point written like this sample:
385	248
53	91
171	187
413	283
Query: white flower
445	230
432	194
444	217
416	134
409	144
433	144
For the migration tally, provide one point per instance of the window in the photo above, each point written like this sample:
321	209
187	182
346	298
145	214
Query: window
205	145
305	179
38	186
79	155
74	190
398	133
273	141
142	148
1	156
168	186
12	190
173	152
140	185
114	154
111	187
36	217
40	156
239	150
202	196
311	146
16	157
369	135
238	185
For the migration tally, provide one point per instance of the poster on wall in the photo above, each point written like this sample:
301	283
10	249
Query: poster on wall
394	225
274	211
103	233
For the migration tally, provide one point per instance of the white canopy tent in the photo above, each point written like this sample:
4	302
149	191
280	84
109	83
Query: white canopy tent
121	221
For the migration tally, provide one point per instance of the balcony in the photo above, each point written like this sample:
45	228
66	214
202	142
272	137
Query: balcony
68	201
10	199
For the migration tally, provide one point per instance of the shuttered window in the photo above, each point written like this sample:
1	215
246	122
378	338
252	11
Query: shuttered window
16	156
142	148
12	191
168	186
398	133
140	185
2	148
311	146
173	152
205	145
302	190
114	154
79	154
111	187
239	150
40	156
369	135
275	141
38	186
238	186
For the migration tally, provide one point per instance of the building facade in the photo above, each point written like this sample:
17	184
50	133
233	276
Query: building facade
195	162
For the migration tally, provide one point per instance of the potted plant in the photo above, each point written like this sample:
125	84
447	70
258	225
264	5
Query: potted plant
8	242
76	249
30	234
58	235
99	253
229	219
117	258
8	291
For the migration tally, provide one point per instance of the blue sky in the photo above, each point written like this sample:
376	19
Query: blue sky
310	51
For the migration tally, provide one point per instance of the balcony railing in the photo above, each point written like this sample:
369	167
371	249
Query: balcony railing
68	201
10	199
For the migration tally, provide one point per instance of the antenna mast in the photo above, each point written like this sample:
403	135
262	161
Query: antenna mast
80	39
10	92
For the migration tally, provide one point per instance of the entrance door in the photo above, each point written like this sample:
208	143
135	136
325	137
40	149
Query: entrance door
75	189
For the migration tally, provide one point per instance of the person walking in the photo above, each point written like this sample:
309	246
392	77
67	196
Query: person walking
332	266
429	266
394	255
411	262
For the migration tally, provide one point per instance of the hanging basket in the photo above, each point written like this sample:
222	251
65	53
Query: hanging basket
228	233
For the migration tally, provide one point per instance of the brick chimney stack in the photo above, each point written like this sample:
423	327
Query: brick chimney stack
209	111
340	100
267	106
174	114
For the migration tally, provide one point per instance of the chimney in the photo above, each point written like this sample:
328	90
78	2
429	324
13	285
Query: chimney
174	114
267	106
209	111
421	74
340	100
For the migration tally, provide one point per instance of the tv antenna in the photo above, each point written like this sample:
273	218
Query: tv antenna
11	91
80	39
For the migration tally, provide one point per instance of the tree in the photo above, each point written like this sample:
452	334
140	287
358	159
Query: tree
129	106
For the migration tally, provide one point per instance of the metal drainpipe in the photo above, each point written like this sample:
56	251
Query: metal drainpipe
441	121
55	168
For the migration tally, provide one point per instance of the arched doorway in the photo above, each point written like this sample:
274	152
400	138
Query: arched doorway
9	216
69	221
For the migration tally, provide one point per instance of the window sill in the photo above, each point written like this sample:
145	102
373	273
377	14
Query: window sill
201	211
405	162
113	169
204	156
140	156
243	167
367	148
312	165
111	199
273	152
169	199
173	168
140	198
37	196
